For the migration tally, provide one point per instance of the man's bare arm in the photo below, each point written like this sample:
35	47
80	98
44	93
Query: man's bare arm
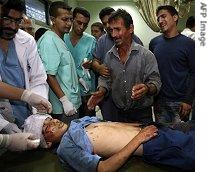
14	93
96	98
10	92
54	85
117	160
95	64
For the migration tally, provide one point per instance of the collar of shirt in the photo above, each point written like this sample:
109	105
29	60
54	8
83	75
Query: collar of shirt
134	47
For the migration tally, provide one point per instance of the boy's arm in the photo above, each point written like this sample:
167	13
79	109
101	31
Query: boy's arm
117	160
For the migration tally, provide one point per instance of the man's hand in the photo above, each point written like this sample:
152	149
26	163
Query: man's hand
184	110
39	102
68	107
87	64
21	142
103	70
138	91
147	133
95	99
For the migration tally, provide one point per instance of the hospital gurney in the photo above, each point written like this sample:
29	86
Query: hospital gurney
47	161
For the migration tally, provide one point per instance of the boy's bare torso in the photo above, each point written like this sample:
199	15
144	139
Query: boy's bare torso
108	138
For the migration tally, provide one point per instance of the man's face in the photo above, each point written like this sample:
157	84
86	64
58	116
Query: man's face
166	21
96	32
27	26
9	24
104	20
80	24
121	35
62	23
53	130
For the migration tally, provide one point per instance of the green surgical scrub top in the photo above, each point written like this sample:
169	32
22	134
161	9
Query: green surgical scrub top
83	49
59	62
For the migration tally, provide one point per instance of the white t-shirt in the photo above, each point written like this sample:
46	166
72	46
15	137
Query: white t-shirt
187	32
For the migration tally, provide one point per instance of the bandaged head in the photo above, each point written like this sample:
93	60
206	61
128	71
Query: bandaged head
34	124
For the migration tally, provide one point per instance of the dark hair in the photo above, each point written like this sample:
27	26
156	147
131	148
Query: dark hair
3	2
82	11
190	22
120	13
17	5
106	11
169	8
53	10
99	25
39	33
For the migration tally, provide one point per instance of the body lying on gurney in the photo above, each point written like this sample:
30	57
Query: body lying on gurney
92	145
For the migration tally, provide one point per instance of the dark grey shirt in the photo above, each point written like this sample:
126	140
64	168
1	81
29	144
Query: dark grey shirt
140	67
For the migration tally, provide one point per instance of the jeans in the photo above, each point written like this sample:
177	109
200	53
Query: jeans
167	111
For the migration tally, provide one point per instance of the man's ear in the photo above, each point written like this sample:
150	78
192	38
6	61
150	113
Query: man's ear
131	28
176	17
52	19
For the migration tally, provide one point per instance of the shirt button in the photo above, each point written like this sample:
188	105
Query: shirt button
124	81
123	70
126	91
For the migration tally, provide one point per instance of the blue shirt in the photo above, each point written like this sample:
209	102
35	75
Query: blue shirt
83	49
59	62
176	62
75	148
12	73
170	147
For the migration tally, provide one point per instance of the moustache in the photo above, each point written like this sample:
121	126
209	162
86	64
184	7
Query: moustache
7	33
9	30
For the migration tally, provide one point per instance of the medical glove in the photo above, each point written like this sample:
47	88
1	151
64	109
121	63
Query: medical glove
20	142
68	107
39	102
